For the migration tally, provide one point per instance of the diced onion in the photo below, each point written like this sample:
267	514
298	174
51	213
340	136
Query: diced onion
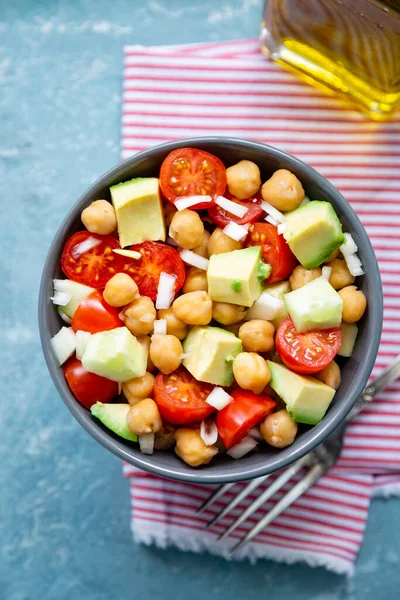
63	344
271	220
61	298
354	265
208	432
188	201
266	307
65	317
256	434
191	258
326	272
349	247
61	285
246	445
273	212
165	291
81	340
305	200
160	327
85	246
128	253
218	398
235	231
282	228
184	355
231	207
146	443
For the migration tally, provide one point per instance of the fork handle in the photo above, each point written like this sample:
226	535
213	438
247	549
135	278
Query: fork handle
388	376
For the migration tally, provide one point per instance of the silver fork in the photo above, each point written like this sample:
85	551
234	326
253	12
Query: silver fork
317	462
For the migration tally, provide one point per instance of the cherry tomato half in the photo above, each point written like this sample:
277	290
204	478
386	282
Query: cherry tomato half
275	250
156	257
94	314
192	172
87	387
96	266
221	217
307	352
181	398
246	410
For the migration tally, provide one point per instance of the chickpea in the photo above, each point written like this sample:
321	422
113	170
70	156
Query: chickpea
332	256
300	276
228	314
220	243
175	326
283	190
187	228
251	371
165	438
191	448
120	290
243	179
330	375
278	429
99	217
169	211
136	389
196	279
202	249
139	316
257	335
144	341
166	352
144	417
340	276
194	308
354	303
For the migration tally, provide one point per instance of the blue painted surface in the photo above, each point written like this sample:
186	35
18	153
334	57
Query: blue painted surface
64	506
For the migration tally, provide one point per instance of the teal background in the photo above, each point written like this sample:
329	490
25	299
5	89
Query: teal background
64	506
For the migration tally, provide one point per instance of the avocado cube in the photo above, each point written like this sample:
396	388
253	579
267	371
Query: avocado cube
211	351
115	354
316	305
306	398
236	277
114	416
313	232
139	212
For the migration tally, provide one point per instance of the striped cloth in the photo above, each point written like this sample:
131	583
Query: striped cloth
232	89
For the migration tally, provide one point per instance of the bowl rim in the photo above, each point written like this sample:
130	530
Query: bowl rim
275	462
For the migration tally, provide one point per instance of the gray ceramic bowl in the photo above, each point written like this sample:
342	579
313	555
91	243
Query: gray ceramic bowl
355	371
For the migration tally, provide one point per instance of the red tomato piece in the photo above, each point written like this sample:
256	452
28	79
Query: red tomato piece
87	387
246	410
181	398
275	250
156	257
192	172
96	266
221	217
94	314
307	352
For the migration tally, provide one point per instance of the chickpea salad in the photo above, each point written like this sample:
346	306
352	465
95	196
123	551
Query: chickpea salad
204	308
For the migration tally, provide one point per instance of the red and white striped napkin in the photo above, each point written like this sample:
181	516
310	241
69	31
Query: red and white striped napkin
231	89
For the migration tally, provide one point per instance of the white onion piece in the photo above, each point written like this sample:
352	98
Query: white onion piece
256	434
188	201
271	220
184	355
146	443
231	207
282	228
81	340
63	344
266	307
191	258
165	291
246	445
61	298
160	327
208	432
273	212
354	265
128	253
62	285
85	246
171	241
326	272
349	247
65	317
305	200
219	398
235	231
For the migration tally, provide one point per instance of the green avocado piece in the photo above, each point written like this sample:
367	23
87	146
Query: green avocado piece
313	232
307	399
139	212
211	351
234	276
349	331
114	416
115	354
